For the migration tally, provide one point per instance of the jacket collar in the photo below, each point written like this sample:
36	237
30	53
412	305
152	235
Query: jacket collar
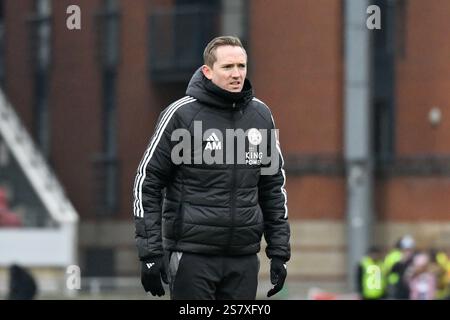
204	90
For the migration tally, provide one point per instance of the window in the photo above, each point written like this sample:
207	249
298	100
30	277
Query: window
106	163
40	31
107	21
179	33
384	43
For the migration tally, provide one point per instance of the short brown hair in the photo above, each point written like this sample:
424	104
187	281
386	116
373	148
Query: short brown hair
209	55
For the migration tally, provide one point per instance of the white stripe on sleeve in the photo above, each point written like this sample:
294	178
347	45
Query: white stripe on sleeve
138	208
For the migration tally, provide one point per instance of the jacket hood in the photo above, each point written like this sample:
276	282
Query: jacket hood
207	92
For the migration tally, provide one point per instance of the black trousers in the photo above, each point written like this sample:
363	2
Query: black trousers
205	277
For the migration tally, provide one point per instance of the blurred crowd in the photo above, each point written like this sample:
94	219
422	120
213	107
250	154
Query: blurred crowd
404	272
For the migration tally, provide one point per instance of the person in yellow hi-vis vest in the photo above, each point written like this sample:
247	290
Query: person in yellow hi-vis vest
443	261
391	258
395	265
370	275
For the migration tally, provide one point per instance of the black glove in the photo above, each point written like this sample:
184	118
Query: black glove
152	271
278	272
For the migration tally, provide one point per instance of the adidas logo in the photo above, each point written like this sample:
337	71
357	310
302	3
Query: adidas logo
149	265
213	143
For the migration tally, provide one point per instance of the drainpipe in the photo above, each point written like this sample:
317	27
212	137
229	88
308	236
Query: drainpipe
357	135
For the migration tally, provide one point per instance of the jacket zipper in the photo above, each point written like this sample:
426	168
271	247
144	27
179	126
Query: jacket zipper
233	192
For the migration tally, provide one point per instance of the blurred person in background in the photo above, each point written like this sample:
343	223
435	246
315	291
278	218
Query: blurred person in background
393	256
397	286
421	277
369	275
208	225
22	285
442	259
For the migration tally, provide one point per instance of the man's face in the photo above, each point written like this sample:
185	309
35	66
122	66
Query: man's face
229	70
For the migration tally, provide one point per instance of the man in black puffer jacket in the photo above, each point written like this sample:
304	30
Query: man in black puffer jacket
210	185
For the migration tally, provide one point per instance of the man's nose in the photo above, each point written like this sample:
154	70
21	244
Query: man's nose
235	72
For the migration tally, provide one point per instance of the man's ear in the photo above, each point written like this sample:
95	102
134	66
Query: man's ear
207	71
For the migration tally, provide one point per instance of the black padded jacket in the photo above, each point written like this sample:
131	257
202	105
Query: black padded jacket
219	208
